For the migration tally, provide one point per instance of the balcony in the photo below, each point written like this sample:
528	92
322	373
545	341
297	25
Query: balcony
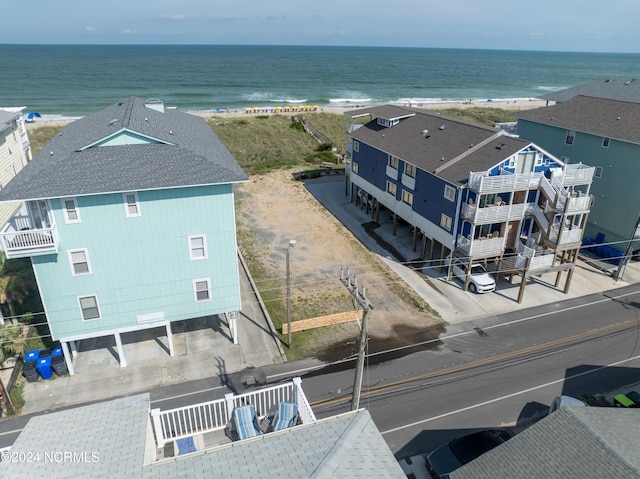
19	238
565	236
481	247
496	214
482	183
209	422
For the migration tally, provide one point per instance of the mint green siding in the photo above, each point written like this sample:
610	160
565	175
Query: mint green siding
141	265
616	192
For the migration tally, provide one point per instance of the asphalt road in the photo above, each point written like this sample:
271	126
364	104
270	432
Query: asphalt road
501	370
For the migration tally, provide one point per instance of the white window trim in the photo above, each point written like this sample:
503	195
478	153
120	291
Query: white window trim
195	291
356	145
71	263
204	245
409	195
127	213
393	162
392	186
446	222
97	306
597	173
606	141
408	167
66	212
570	134
450	193
354	167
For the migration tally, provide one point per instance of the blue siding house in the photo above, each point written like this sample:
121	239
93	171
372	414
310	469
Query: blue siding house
468	190
128	218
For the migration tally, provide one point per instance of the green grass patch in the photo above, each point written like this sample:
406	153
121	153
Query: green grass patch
481	115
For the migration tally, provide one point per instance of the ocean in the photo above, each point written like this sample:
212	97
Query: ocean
66	81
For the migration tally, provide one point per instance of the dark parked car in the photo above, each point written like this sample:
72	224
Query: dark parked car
449	457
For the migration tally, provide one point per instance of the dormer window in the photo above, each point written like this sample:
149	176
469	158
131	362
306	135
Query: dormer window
387	123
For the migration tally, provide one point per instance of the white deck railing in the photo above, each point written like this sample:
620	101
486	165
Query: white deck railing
215	415
18	239
481	247
504	182
568	235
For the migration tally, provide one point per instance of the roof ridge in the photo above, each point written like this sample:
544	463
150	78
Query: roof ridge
473	149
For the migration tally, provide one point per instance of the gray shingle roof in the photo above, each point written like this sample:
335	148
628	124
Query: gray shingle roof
571	443
447	139
606	118
6	117
187	153
608	88
108	440
344	446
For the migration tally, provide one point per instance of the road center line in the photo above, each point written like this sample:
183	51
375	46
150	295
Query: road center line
475	406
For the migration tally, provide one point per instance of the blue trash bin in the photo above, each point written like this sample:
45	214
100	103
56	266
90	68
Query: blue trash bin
57	351
44	367
33	355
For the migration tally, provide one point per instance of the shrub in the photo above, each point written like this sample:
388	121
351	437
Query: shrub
296	125
326	146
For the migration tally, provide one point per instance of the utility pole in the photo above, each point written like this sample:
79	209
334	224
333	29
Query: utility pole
361	299
627	252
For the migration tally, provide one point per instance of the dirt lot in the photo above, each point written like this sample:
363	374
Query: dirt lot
273	209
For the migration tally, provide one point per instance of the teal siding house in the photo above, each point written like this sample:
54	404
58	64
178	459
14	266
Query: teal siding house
603	133
128	218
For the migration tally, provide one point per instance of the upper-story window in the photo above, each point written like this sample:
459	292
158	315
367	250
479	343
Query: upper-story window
571	136
71	211
131	204
393	162
392	188
356	145
445	222
598	172
407	197
197	247
409	170
202	289
89	307
449	192
354	167
79	260
605	142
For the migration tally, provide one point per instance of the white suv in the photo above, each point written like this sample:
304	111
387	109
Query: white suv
479	281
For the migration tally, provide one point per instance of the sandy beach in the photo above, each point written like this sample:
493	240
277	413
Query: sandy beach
513	105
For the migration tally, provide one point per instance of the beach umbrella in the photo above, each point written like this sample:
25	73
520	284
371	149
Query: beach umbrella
33	114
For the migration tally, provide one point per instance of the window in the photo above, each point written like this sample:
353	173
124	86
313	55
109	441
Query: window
354	167
449	192
131	204
571	135
598	172
79	260
409	170
605	142
197	247
71	211
356	145
89	307
407	198
445	222
201	290
392	188
393	162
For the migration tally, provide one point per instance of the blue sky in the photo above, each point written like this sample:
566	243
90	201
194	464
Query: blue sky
558	25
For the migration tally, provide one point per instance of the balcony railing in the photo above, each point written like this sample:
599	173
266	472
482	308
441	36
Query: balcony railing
482	183
19	239
577	174
496	214
566	235
215	415
481	246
